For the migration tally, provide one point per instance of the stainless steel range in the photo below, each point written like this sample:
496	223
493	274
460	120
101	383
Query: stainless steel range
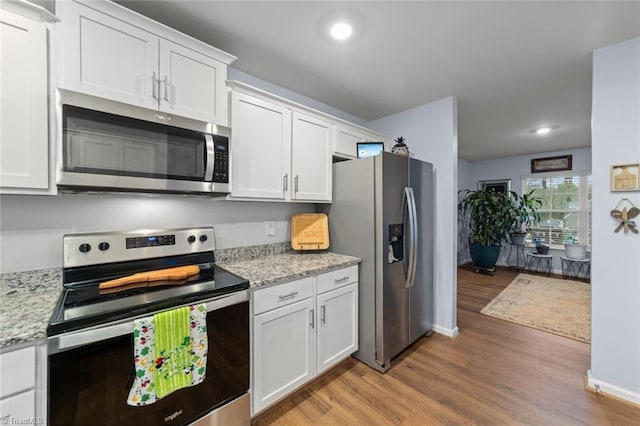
91	332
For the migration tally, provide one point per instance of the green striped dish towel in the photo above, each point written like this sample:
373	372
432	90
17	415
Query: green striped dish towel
173	359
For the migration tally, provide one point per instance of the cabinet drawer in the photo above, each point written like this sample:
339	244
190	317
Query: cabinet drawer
282	295
18	407
18	371
338	278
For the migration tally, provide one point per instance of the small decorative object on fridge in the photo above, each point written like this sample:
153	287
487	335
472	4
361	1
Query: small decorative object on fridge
400	148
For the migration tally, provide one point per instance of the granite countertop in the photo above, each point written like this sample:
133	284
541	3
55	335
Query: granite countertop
278	268
28	298
27	301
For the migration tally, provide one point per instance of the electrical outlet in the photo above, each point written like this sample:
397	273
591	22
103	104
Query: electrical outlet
270	227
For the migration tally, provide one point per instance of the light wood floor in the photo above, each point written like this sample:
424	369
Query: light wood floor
493	373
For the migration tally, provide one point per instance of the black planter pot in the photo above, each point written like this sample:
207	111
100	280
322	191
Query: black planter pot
484	257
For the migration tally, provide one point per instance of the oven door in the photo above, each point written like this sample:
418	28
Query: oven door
91	373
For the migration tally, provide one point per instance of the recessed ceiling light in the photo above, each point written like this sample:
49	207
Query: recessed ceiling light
543	131
341	31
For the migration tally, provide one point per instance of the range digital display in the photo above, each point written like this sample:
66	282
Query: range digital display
151	241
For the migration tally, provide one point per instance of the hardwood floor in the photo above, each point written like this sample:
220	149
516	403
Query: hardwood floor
493	373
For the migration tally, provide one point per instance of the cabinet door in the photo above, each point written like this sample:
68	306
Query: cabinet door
283	352
337	325
106	57
192	84
347	141
23	122
311	151
260	148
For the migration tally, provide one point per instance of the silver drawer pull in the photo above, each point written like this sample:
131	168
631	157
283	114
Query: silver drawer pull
288	296
341	280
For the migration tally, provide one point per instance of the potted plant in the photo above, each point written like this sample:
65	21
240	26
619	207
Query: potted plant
523	213
573	250
490	219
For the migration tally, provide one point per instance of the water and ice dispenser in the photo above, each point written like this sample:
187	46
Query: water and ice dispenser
395	243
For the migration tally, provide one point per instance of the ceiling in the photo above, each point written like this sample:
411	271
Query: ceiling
513	66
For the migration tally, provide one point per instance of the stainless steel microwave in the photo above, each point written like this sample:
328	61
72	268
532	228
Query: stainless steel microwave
108	146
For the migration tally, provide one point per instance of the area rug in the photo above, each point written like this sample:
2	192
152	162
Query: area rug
553	305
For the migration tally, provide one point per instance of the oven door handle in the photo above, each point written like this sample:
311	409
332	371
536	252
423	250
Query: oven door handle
66	341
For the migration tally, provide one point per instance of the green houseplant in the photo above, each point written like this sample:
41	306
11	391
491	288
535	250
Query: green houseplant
491	217
523	212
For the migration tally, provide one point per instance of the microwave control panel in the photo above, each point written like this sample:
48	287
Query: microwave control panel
221	159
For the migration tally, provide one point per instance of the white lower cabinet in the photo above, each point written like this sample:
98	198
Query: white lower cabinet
337	325
284	351
300	329
22	385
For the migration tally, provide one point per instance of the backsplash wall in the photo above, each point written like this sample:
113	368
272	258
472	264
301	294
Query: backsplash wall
31	227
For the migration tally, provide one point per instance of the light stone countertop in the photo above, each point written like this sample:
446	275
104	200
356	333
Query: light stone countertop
27	299
278	268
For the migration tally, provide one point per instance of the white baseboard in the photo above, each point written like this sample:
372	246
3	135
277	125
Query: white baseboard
612	390
449	332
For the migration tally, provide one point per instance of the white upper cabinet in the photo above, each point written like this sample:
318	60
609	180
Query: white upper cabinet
24	133
191	84
347	138
111	52
106	57
311	149
260	143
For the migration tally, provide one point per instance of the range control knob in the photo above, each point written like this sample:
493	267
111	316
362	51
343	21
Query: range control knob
84	248
191	239
103	246
203	238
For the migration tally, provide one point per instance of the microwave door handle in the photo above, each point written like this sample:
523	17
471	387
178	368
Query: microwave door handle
211	155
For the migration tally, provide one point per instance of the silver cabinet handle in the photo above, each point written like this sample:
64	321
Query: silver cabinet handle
313	324
295	184
286	181
341	280
166	89
288	296
154	87
322	319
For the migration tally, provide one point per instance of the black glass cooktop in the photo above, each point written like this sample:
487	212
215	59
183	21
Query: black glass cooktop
82	304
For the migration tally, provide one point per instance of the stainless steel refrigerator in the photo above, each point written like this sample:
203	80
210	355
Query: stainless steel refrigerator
382	212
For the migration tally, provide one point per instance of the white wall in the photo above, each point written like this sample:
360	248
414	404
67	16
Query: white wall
514	168
32	226
464	182
431	134
615	274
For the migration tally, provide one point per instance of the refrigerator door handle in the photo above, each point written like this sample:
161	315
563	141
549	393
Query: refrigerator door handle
406	210
409	203
413	217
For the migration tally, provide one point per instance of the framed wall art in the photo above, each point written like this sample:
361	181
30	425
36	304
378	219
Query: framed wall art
500	186
624	177
551	164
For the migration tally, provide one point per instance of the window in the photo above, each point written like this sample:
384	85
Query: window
566	206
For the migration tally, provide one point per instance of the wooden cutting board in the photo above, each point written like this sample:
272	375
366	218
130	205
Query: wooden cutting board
310	231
